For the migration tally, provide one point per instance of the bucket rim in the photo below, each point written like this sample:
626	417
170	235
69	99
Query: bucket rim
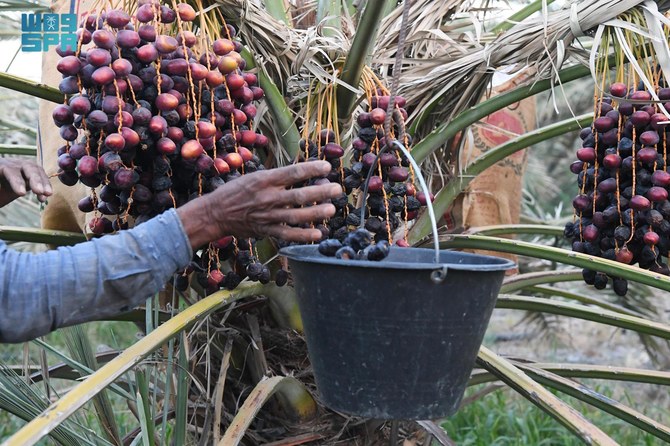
310	254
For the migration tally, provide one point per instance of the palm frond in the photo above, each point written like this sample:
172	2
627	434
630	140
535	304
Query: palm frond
598	400
610	267
542	398
81	351
22	400
607	317
27	5
283	385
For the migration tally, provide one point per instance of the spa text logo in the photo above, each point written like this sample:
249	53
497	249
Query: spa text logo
39	32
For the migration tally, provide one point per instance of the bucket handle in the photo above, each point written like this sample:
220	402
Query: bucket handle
437	275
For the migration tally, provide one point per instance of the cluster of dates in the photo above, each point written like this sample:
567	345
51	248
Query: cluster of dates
357	245
392	200
158	116
622	210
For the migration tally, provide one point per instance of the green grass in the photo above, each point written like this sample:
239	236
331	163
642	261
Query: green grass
502	418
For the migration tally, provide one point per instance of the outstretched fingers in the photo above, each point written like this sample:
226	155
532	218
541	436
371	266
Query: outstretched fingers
14	178
22	176
289	175
298	216
308	194
37	179
291	234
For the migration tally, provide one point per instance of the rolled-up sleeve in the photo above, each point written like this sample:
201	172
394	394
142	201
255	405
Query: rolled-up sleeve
92	280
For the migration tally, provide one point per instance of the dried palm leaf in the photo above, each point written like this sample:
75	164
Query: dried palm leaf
446	71
283	51
449	72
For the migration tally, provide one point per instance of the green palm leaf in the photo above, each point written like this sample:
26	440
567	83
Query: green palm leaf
542	398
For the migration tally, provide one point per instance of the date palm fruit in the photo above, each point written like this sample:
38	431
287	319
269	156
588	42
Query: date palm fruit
140	124
621	212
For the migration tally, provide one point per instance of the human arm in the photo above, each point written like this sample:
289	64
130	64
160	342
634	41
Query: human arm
18	175
42	292
92	280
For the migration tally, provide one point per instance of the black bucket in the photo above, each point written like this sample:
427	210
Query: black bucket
385	339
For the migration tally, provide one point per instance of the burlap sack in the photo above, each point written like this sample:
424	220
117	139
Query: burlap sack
494	197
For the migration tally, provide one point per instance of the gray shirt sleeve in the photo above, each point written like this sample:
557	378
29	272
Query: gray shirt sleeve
92	280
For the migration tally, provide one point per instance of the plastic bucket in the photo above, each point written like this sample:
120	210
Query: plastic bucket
385	339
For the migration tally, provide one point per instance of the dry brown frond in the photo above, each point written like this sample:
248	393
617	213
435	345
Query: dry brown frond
448	68
282	50
439	62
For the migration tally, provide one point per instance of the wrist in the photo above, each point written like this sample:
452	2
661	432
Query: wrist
196	221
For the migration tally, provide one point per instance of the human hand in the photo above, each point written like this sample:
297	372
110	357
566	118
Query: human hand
258	204
19	175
